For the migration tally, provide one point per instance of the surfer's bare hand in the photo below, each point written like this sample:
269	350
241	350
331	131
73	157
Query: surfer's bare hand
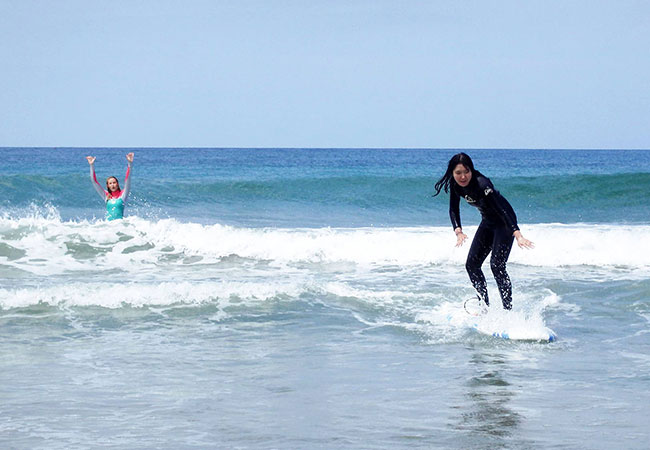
460	237
129	157
522	242
91	159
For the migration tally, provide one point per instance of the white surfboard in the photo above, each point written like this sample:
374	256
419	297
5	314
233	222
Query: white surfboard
543	334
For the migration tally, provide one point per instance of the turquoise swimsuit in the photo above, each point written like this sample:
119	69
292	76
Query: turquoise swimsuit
114	208
116	200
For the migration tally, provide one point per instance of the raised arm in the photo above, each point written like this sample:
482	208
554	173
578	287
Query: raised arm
127	177
93	178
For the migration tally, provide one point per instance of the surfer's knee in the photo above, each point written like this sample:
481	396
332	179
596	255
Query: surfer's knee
472	265
498	267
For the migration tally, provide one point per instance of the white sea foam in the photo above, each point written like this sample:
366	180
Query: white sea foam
449	320
51	246
117	295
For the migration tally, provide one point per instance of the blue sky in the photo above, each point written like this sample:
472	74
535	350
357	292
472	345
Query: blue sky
434	74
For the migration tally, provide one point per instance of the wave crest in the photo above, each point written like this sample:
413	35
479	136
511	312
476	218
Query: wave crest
49	245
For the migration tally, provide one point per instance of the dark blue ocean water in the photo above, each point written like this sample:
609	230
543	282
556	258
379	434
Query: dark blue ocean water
313	298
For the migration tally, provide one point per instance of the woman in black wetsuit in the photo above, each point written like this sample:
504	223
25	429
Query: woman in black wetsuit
495	233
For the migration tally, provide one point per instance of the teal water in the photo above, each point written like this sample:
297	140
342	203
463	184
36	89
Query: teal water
270	298
322	187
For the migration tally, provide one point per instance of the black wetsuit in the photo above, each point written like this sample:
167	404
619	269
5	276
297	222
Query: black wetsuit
494	234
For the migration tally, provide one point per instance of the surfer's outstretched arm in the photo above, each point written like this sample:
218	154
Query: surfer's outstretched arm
127	177
454	215
93	178
503	209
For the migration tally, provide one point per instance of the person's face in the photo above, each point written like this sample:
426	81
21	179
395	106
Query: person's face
112	184
462	175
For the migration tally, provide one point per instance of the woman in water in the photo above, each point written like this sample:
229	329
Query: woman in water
113	195
495	233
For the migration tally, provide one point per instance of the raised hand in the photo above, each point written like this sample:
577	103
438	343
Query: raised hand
91	159
129	157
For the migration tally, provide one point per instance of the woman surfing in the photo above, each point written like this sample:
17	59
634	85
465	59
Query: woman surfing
114	197
495	233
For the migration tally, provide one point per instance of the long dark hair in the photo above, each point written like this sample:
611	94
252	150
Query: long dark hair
445	182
